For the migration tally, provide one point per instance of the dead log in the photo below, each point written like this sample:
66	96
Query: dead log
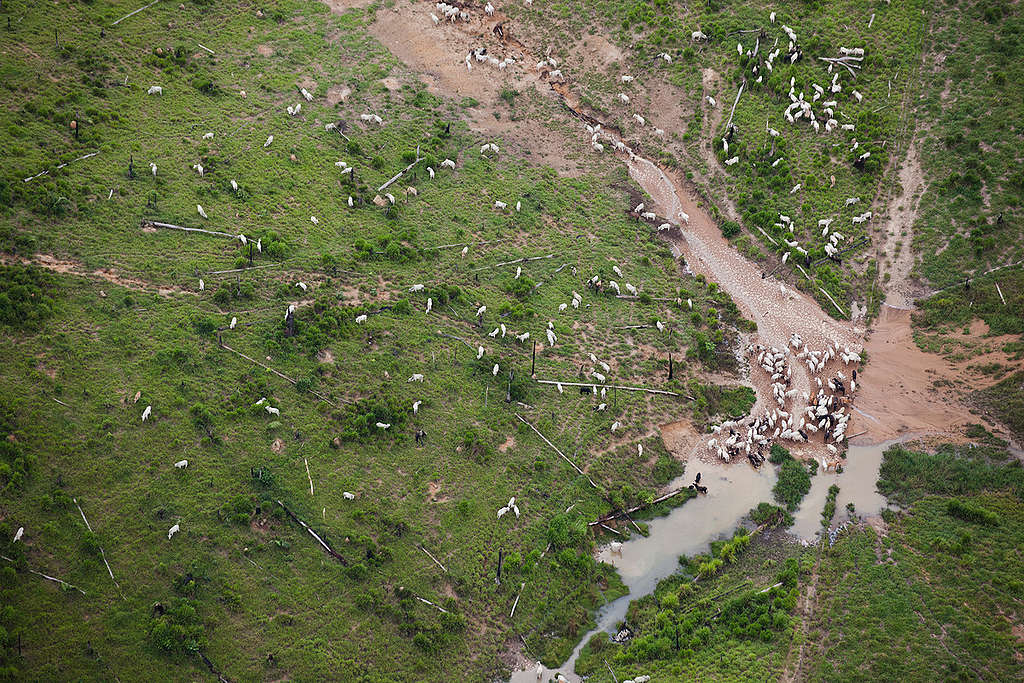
735	102
615	386
620	513
154	224
434	559
62	582
282	376
322	542
102	554
399	174
134	13
518	260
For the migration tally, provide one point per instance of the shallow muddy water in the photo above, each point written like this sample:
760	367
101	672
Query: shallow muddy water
856	485
688	530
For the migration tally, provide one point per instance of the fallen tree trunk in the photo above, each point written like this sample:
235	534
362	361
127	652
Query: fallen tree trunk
555	448
322	542
518	260
62	582
102	554
620	513
135	12
615	386
282	376
156	224
399	175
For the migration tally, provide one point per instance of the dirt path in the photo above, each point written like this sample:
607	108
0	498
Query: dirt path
75	268
896	401
806	608
898	232
436	54
778	309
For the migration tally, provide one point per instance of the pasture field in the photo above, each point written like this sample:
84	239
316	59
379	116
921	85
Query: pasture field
103	316
370	338
754	191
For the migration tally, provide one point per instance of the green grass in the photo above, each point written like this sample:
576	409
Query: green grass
925	600
241	580
759	191
1005	400
724	626
907	475
969	218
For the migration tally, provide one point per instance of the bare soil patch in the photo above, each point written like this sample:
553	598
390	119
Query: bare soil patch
336	94
897	389
436	54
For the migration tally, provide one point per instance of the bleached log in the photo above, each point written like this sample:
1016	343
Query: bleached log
282	376
329	549
156	224
616	386
399	174
48	577
102	554
735	102
134	13
518	260
620	513
434	559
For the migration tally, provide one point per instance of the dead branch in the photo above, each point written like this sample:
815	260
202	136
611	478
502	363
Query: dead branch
102	554
434	559
242	270
59	166
615	515
518	260
437	607
282	376
735	102
516	603
841	311
468	244
134	13
451	336
47	577
399	174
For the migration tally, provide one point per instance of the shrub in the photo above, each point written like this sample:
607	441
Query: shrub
793	484
25	296
971	513
178	629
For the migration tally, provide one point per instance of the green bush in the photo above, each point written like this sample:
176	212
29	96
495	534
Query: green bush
971	513
26	296
178	629
793	484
